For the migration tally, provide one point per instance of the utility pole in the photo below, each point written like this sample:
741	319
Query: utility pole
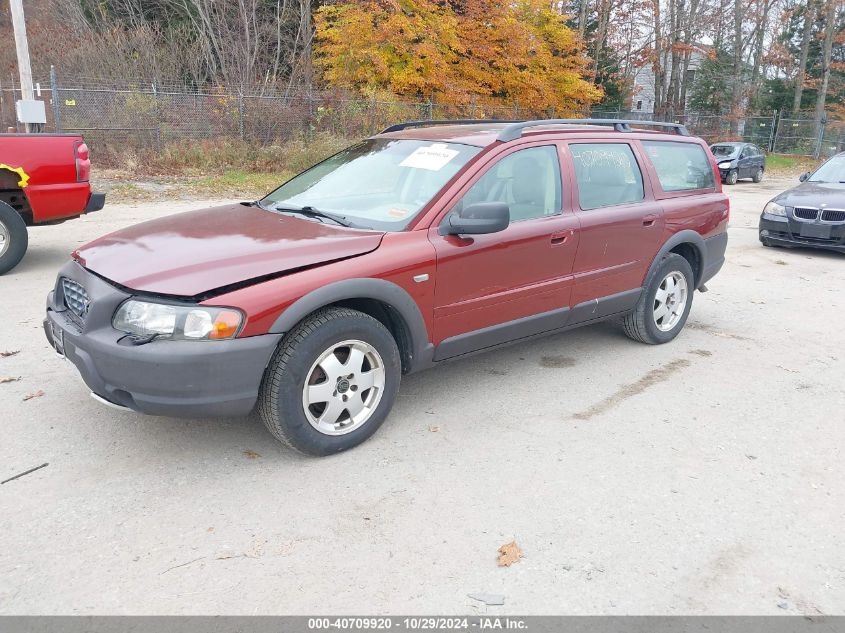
22	47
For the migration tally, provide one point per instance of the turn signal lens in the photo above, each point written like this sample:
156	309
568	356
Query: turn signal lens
225	325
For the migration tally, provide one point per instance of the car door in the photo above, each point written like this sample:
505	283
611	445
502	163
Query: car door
514	283
759	159
745	162
621	225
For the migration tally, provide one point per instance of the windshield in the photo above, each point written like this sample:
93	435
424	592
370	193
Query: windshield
831	171
378	183
723	150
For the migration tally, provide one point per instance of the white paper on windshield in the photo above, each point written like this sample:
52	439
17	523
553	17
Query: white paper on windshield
433	157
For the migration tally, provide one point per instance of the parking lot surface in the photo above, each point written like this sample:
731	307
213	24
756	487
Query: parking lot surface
703	476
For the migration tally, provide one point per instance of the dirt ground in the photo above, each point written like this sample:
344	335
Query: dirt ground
705	476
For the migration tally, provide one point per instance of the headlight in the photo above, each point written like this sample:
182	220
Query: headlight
773	208
176	322
725	164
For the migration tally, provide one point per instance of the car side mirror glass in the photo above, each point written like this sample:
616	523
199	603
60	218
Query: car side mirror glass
804	176
479	218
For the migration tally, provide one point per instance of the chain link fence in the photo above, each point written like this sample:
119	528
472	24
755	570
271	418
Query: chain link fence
149	116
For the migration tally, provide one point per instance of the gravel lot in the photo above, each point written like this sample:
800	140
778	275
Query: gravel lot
705	476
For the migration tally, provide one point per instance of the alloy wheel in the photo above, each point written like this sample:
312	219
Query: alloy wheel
670	300
5	239
343	387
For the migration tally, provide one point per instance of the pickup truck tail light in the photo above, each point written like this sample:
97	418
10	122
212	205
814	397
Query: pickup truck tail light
83	161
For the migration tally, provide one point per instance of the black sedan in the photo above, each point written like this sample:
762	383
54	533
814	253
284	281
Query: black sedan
811	214
739	160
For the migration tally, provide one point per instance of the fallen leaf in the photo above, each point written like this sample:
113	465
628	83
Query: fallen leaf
4	379
35	394
509	553
211	529
791	371
251	454
7	354
780	262
758	301
434	429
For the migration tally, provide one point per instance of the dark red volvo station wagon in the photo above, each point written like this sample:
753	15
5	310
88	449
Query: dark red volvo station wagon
424	243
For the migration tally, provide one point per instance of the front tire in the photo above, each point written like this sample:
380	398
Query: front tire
332	382
664	306
13	238
732	177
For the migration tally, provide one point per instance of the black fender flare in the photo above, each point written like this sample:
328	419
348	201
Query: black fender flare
421	349
687	236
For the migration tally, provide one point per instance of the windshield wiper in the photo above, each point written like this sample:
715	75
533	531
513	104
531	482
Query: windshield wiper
311	212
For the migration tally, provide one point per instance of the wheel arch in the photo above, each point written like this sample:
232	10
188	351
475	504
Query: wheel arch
13	194
689	245
383	300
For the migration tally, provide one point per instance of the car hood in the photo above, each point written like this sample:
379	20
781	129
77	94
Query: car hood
192	253
814	194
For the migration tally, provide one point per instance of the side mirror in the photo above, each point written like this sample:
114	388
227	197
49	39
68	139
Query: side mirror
803	177
479	218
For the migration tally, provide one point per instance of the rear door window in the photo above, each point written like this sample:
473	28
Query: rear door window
680	166
607	174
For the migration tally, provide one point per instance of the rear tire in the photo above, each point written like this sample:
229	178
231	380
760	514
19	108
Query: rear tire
758	175
13	238
331	383
664	306
732	177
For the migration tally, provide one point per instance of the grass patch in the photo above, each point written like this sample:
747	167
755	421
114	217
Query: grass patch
238	183
789	165
204	158
219	168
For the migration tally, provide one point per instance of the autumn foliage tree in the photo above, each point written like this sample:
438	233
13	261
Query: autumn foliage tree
456	52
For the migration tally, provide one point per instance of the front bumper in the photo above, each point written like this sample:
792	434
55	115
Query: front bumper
785	231
173	378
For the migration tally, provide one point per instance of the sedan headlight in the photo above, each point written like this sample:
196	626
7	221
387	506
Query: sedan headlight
725	164
176	322
773	208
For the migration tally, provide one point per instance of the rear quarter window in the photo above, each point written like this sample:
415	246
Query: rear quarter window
680	166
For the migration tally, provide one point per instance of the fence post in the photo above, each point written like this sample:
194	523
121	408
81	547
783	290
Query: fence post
773	131
430	106
158	116
241	113
57	110
820	138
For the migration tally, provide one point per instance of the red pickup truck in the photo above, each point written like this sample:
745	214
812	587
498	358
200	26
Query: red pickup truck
43	180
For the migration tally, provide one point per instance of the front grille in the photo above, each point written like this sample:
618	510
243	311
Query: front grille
76	299
832	215
805	213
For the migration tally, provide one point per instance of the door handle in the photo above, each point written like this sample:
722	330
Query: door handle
561	236
649	220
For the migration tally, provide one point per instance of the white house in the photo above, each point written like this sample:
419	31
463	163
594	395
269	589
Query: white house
642	99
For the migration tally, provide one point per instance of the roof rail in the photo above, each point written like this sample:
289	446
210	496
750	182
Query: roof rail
514	131
407	124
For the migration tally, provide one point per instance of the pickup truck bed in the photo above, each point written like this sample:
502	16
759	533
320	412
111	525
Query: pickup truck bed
44	178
